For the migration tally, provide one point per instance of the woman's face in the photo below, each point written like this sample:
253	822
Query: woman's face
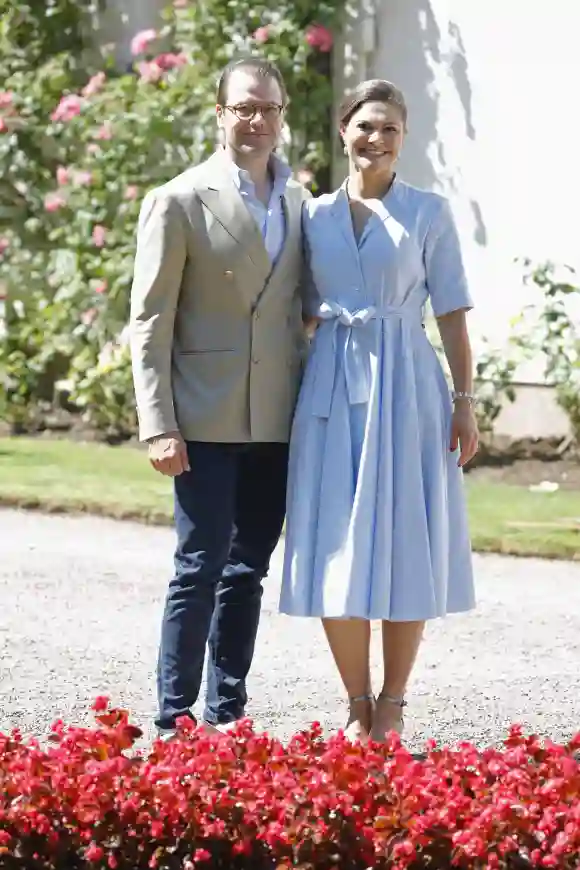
374	137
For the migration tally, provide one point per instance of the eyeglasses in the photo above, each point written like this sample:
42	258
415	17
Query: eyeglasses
248	111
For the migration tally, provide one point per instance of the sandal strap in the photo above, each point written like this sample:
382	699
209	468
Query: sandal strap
399	702
359	698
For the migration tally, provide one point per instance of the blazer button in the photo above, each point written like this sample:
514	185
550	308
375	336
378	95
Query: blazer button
255	360
228	274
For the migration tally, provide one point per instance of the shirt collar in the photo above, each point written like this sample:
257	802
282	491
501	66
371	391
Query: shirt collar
281	172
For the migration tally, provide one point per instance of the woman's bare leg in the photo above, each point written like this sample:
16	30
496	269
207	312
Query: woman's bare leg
349	641
401	642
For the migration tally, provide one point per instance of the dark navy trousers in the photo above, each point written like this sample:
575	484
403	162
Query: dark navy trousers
229	514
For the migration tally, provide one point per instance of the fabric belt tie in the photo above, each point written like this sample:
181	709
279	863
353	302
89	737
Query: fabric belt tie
334	318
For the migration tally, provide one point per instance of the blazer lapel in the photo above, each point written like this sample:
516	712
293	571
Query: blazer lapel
223	199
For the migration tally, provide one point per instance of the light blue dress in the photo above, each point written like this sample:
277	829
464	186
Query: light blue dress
376	518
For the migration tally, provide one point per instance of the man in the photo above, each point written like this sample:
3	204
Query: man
217	342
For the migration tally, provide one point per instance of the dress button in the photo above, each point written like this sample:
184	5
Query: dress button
228	274
255	360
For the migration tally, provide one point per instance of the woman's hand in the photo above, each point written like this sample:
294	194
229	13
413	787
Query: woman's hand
464	432
311	325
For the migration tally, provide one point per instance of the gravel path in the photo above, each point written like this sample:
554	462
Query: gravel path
81	598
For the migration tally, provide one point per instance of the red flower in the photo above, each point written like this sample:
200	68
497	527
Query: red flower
318	36
100	704
249	801
169	61
94	853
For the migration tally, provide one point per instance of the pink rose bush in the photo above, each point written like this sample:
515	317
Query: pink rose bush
79	147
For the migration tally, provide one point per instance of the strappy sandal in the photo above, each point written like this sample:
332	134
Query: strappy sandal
355	730
397	726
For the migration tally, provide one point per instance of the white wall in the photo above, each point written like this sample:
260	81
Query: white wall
492	90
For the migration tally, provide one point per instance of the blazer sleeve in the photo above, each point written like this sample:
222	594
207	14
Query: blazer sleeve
444	267
159	263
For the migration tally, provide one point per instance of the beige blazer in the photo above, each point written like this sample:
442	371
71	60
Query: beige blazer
217	338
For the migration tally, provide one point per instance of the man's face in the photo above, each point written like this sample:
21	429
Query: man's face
253	114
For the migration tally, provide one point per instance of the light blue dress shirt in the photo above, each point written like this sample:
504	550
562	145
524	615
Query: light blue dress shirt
270	219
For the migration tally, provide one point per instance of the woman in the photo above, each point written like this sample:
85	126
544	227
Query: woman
376	521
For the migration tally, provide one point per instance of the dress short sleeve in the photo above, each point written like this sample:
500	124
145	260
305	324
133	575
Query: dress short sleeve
444	268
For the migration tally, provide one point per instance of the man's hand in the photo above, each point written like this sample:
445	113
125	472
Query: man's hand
168	454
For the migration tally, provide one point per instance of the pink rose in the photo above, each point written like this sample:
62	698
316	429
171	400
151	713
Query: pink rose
99	235
170	61
3	245
54	201
132	192
141	40
262	34
179	4
62	176
6	99
101	287
88	316
150	72
68	108
94	84
83	177
93	148
3	125
105	132
318	36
